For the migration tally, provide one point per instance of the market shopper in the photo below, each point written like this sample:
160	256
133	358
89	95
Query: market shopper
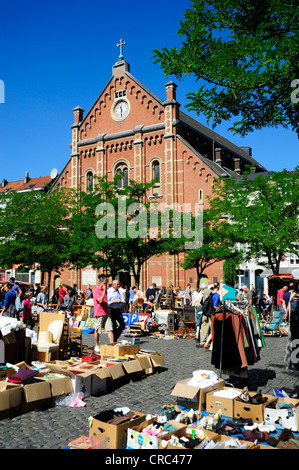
291	357
187	295
69	300
61	295
205	323
27	310
102	317
9	309
216	304
115	309
42	301
280	295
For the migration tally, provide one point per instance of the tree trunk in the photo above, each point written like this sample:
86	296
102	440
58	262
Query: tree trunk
49	283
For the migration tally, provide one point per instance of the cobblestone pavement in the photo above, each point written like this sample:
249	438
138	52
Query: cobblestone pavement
55	427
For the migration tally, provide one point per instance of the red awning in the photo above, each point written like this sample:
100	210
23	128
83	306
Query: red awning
282	276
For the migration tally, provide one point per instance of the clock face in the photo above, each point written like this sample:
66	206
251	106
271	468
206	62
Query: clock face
121	110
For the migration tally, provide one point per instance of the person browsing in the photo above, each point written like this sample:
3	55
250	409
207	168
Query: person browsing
102	317
115	308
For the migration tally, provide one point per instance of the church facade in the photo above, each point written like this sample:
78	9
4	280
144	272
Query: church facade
130	130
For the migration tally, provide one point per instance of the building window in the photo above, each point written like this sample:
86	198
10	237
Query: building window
294	259
123	172
156	173
89	181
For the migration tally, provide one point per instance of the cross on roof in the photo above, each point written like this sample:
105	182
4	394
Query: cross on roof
121	44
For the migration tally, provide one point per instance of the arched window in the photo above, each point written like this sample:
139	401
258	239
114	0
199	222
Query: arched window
89	181
123	172
156	173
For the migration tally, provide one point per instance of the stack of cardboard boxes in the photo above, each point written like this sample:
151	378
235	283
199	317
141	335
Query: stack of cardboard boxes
88	376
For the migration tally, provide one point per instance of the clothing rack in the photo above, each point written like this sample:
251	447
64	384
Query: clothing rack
241	309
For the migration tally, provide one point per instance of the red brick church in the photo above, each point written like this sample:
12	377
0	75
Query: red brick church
131	130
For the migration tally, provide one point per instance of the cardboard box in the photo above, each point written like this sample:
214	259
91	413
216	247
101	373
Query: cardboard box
11	398
117	375
193	397
136	439
283	417
116	349
59	386
248	410
146	363
100	378
215	403
81	381
157	361
133	369
37	395
4	373
116	435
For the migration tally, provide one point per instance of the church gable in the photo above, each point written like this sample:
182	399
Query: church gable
123	104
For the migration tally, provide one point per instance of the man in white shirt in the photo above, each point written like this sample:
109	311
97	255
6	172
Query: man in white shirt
123	295
114	299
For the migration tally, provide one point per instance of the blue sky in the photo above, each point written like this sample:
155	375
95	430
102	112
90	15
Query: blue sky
59	55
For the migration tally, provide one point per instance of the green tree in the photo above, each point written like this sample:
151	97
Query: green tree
34	230
245	56
216	246
111	229
262	213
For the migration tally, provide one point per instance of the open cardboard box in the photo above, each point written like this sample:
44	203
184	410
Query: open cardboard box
81	381
137	439
4	373
117	349
248	410
193	397
283	417
11	398
133	369
59	385
215	403
37	395
115	435
146	363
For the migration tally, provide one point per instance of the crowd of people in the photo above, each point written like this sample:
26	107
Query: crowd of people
110	301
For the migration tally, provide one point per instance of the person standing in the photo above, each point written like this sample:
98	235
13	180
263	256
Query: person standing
216	303
102	316
9	309
69	300
280	294
248	295
115	308
205	323
27	310
123	296
61	295
291	357
187	295
42	301
131	299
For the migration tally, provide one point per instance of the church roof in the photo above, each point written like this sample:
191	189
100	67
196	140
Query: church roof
217	138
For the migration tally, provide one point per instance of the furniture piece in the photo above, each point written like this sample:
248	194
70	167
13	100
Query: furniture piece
273	327
75	345
48	341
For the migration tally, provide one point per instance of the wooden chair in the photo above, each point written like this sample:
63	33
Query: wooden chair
75	345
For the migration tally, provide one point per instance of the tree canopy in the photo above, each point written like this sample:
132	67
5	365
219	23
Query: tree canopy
34	230
244	55
263	212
